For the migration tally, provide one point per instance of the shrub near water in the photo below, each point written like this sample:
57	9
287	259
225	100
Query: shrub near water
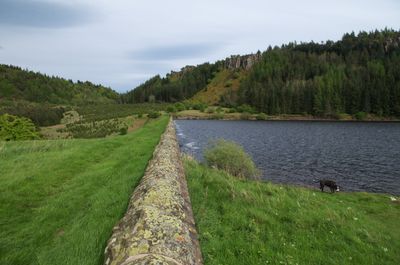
262	116
180	106
232	158
360	116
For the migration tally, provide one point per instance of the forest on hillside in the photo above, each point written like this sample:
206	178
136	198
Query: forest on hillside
20	84
174	87
359	73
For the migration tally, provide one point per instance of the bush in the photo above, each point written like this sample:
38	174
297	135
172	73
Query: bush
200	106
217	116
245	116
360	115
262	116
14	128
232	158
219	110
154	115
180	106
210	110
232	110
228	84
171	109
123	130
187	104
246	108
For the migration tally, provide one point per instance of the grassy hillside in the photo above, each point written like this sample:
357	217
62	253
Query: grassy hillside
246	222
60	199
20	84
223	87
176	86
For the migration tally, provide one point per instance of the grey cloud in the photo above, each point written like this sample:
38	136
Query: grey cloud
175	52
41	14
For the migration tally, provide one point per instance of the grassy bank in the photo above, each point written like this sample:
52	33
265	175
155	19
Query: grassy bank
247	222
60	199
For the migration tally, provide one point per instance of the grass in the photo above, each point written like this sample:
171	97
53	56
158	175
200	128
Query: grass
224	83
60	199
248	222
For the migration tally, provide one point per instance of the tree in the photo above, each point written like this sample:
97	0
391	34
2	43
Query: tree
14	128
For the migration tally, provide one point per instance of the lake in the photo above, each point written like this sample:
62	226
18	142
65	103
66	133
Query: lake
359	156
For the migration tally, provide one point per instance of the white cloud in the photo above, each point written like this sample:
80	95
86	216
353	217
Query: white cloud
125	42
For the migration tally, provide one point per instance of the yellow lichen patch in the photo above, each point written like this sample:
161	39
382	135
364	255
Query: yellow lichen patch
141	249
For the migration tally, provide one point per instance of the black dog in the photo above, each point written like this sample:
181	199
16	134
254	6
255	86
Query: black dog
329	183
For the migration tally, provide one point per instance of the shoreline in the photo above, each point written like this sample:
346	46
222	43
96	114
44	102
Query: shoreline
294	185
280	118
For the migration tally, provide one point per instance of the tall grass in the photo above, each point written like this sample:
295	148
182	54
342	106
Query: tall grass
60	199
250	222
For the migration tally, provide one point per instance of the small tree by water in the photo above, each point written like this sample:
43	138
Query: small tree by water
231	157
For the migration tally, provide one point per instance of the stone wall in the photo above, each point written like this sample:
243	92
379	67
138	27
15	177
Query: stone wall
158	227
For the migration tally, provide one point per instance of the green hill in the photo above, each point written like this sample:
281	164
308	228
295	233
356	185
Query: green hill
359	73
19	84
44	99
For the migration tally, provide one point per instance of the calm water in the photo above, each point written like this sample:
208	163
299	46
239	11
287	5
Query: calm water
359	156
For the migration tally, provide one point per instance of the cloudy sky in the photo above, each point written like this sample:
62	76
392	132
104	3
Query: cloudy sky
121	43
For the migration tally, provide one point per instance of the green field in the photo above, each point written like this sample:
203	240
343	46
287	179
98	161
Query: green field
248	222
59	199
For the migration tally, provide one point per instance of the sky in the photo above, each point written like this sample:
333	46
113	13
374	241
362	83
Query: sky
122	43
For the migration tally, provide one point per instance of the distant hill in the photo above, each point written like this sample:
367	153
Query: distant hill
359	73
44	99
20	84
175	86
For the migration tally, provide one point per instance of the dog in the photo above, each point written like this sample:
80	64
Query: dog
329	183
